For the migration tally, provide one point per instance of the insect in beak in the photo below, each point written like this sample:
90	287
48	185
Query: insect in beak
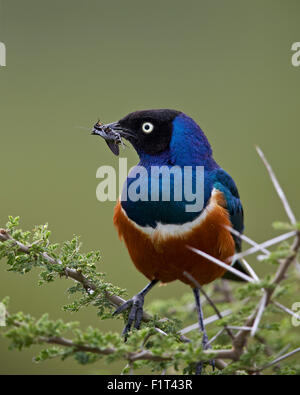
111	133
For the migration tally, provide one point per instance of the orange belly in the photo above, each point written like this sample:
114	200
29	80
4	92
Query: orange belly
162	253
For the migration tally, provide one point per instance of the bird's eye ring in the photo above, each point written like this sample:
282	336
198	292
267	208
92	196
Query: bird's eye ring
147	127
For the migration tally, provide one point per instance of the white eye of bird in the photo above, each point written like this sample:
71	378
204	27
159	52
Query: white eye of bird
147	127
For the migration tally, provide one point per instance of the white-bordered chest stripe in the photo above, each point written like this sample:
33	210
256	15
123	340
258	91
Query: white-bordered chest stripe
164	231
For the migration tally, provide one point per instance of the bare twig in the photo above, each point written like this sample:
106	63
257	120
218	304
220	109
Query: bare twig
240	328
277	360
207	321
247	239
216	336
260	312
283	351
241	337
223	265
278	188
250	270
284	266
267	243
287	310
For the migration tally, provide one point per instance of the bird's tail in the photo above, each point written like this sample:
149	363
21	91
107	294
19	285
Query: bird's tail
230	276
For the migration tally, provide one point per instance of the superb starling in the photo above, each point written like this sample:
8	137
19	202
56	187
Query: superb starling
158	231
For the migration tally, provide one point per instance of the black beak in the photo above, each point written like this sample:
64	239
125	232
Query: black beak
112	134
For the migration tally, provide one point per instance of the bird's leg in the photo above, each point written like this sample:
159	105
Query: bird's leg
205	342
136	308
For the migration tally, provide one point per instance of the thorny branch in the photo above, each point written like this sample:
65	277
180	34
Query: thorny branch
239	341
71	273
130	356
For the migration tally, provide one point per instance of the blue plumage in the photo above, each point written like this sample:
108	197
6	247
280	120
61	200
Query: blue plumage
224	183
188	147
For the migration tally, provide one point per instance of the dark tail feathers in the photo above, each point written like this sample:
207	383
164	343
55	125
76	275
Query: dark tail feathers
230	276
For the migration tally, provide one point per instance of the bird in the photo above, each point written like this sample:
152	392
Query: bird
158	233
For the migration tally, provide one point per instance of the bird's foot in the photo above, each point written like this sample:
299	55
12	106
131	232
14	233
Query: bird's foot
135	314
206	346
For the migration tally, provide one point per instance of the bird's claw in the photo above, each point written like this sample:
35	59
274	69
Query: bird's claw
135	314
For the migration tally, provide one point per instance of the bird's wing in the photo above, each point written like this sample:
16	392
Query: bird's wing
224	183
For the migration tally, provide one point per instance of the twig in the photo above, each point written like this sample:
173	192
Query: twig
250	270
143	355
216	336
222	264
241	328
241	337
71	273
148	356
260	311
277	360
75	275
130	370
280	306
283	351
284	265
207	321
267	243
247	239
278	188
61	341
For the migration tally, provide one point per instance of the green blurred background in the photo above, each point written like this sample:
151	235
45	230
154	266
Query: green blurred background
225	63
